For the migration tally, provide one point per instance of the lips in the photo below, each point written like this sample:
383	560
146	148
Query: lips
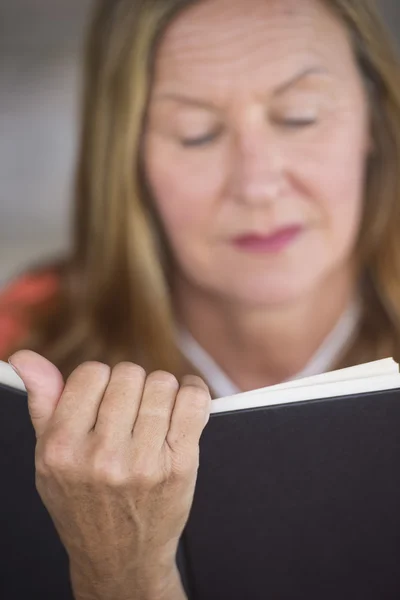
272	243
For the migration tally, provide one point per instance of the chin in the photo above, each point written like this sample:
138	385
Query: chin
272	300
271	294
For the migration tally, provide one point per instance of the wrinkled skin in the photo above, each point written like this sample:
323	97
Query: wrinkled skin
116	465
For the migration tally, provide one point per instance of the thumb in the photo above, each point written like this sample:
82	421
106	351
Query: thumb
44	384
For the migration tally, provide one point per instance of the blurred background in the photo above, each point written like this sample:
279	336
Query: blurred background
40	51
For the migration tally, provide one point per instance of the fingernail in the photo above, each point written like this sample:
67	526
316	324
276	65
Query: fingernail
13	366
16	380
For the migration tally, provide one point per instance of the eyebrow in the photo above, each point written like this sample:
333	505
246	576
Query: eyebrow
185	99
299	76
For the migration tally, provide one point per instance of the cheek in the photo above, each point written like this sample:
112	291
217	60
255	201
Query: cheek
336	172
185	186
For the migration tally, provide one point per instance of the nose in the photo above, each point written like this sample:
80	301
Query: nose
257	168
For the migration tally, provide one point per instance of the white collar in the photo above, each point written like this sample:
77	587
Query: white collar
321	362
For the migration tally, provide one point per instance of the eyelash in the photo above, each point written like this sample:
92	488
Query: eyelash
203	141
298	123
200	141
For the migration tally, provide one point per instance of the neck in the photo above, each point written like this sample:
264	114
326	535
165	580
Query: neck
262	346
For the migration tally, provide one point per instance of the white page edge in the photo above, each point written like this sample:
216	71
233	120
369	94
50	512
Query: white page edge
9	377
304	394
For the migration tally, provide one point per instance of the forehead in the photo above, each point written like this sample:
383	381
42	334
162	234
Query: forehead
221	42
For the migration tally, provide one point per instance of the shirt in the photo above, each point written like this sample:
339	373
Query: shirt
325	357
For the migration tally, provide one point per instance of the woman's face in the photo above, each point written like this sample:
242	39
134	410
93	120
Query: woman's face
255	147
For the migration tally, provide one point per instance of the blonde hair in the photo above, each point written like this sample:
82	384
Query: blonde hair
115	299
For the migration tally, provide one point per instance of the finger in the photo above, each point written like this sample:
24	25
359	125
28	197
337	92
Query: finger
190	415
79	403
154	417
44	384
120	405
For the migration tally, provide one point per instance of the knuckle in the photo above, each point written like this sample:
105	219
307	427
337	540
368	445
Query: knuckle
194	380
180	442
56	454
164	378
145	475
129	370
107	468
197	398
185	464
91	369
92	365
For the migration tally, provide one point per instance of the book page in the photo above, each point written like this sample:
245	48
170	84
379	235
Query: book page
368	377
386	366
9	377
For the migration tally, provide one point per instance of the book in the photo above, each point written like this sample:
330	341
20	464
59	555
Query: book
33	561
297	496
298	492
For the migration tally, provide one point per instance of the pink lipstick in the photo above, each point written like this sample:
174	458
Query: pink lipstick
272	243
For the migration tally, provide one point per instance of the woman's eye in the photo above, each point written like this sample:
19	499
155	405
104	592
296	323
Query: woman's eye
299	122
199	141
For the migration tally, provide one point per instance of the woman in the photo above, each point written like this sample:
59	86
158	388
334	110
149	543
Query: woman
236	216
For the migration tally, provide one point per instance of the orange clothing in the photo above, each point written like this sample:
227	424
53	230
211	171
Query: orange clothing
16	300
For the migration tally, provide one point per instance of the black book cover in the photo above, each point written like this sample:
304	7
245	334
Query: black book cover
33	562
292	501
299	501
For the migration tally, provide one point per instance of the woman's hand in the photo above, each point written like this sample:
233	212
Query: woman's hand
116	463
